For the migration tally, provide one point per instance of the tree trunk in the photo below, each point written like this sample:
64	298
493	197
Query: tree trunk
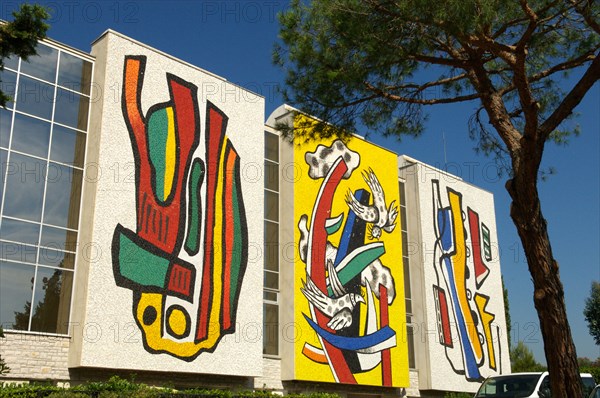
548	295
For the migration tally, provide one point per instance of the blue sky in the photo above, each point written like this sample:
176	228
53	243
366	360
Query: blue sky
234	39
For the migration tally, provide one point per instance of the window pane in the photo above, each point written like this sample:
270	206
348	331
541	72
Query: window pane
71	109
8	85
271	246
271	206
271	296
68	146
19	231
5	123
407	291
271	147
56	258
16	284
271	329
52	300
411	346
408	305
42	65
18	252
403	219
271	176
31	135
62	196
271	280
74	73
404	243
402	194
24	187
3	166
11	62
58	238
35	97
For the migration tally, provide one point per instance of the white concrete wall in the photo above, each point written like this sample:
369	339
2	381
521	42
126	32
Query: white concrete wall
271	377
108	336
443	367
413	389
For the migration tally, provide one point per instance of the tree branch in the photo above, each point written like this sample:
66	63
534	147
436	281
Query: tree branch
346	104
419	101
585	11
572	99
503	51
533	19
425	86
520	79
570	64
493	103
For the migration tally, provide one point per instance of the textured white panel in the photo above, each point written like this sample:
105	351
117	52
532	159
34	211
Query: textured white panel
111	338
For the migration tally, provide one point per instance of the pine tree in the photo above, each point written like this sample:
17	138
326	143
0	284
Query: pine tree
591	312
378	63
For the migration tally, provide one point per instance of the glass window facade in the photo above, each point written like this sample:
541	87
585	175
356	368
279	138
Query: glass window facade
410	329
43	134
271	249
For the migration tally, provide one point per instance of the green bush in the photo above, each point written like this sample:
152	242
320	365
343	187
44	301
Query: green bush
458	395
140	393
27	390
311	395
117	387
115	383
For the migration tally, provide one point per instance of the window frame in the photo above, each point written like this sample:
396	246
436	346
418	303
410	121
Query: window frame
47	159
408	300
277	222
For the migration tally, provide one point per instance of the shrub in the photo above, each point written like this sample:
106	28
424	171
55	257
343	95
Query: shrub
117	387
458	395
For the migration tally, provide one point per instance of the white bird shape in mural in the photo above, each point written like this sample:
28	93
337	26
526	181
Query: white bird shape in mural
338	308
377	215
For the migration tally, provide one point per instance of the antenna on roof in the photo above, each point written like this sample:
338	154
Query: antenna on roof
444	142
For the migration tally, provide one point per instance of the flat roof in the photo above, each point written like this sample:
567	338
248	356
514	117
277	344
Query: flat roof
164	54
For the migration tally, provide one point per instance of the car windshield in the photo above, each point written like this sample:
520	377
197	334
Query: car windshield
511	386
588	385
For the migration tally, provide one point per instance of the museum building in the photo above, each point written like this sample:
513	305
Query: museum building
153	224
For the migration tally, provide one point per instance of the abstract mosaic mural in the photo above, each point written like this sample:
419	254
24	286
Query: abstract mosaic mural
348	275
183	203
463	251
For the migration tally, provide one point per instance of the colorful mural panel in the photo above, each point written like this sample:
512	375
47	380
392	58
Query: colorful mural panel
348	273
183	308
465	325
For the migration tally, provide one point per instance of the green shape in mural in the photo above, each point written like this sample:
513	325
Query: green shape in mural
192	240
356	261
238	240
161	150
139	265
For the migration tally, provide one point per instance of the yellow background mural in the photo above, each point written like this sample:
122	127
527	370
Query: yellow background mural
338	306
